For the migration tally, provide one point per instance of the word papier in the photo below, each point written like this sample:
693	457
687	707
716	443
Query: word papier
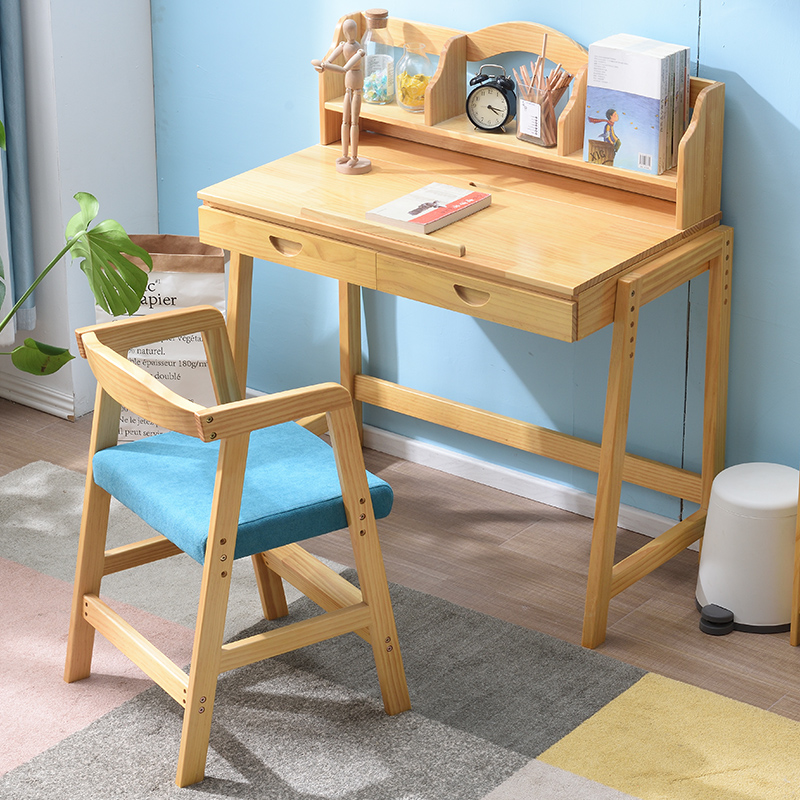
180	363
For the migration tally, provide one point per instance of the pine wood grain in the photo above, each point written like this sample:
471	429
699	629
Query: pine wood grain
614	233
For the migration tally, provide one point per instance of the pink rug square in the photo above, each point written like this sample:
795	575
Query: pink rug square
38	708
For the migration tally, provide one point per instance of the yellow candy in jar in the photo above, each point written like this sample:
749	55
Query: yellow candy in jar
412	89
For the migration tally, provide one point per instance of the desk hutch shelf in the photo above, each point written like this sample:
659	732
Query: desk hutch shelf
693	186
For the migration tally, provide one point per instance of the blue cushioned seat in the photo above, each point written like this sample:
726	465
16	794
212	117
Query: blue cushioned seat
291	488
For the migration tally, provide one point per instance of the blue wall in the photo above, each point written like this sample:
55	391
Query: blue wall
234	89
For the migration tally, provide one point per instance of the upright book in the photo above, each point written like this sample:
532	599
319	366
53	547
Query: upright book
432	207
637	90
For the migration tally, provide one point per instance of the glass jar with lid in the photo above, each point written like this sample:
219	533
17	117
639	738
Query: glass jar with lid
414	71
379	59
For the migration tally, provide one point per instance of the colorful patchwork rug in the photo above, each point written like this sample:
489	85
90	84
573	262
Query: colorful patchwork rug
499	712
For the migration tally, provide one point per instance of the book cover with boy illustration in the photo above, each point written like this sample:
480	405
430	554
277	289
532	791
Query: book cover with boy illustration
629	123
630	106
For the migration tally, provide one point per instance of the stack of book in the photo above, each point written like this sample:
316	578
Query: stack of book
637	103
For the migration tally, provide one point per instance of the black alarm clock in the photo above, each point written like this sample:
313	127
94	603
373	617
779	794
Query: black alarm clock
492	103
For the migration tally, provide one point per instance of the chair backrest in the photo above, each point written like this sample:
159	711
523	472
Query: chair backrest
123	383
105	347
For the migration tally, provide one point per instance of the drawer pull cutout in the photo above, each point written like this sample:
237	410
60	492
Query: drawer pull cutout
472	297
285	247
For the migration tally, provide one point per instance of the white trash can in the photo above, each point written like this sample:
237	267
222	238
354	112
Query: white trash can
747	556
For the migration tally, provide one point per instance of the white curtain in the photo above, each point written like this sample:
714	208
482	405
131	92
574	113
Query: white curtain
7	334
16	241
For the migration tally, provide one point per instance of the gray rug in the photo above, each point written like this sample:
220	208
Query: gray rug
487	696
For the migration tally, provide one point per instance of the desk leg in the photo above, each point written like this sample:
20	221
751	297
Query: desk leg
240	292
717	348
612	456
240	289
350	342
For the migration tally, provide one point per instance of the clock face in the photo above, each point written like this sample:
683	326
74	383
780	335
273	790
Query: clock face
488	108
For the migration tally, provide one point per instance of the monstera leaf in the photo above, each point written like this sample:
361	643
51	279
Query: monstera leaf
116	283
39	359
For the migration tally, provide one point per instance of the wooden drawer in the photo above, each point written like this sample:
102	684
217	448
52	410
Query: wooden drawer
282	245
519	308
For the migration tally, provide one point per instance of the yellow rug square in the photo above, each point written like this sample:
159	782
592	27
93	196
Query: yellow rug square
666	740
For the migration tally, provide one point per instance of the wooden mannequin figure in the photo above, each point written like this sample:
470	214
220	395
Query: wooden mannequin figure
349	162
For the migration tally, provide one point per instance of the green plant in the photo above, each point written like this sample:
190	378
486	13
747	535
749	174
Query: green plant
116	282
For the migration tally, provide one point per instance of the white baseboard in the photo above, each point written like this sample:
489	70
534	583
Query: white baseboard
508	480
36	395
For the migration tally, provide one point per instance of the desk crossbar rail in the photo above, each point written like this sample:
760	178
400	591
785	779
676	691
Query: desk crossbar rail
657	552
526	436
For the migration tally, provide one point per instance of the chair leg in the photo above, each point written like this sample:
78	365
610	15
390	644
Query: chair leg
88	575
369	561
211	612
196	729
203	674
383	629
270	589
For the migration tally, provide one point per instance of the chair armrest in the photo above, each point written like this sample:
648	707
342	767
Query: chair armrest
243	416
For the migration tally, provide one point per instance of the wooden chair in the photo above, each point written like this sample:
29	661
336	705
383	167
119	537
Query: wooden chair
191	485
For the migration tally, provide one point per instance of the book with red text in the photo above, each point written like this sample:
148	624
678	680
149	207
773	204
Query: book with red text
430	208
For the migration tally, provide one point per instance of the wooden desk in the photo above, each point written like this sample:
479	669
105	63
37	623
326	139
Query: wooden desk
576	254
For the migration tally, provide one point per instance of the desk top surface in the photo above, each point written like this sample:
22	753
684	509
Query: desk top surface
543	232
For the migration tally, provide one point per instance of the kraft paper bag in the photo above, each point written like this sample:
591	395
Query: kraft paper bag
185	273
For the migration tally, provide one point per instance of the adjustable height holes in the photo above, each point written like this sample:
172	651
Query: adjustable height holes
727	272
223	556
632	338
362	501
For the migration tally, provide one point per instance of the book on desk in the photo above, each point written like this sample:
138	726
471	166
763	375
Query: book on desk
432	207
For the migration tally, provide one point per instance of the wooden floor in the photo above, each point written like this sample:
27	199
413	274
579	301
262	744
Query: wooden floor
514	559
